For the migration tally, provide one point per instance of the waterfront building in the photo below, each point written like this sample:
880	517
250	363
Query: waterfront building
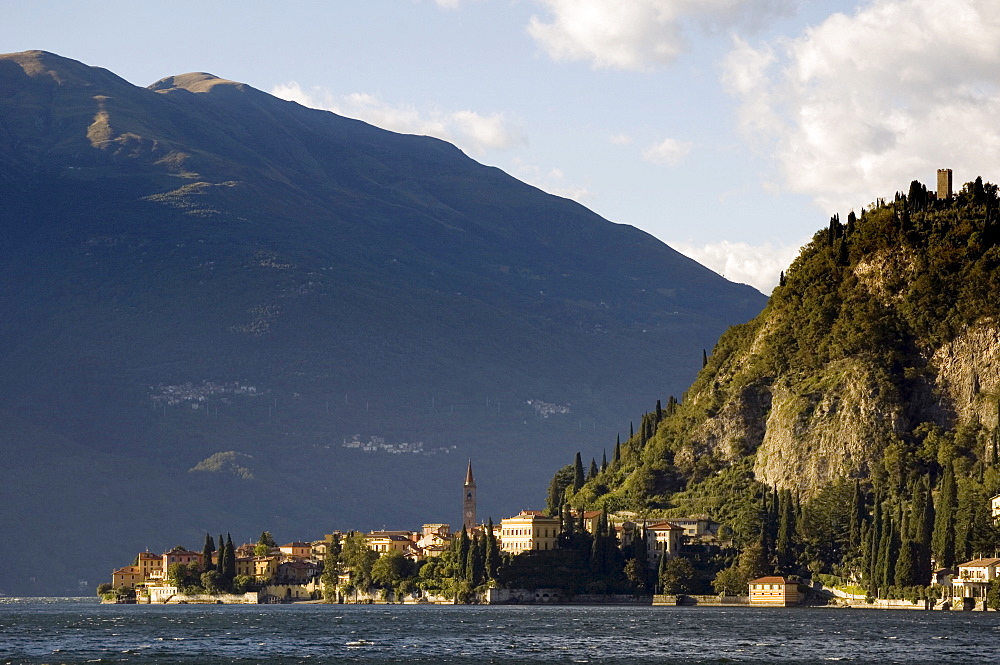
775	591
129	577
529	530
973	579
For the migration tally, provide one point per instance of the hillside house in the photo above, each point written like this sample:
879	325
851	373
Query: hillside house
663	539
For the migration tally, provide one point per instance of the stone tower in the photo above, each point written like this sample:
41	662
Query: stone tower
469	501
944	184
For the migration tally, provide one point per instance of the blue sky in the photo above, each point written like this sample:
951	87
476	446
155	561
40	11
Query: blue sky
729	129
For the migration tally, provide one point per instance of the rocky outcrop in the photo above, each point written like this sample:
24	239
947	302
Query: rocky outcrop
968	373
816	433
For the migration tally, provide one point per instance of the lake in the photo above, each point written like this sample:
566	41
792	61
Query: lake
82	631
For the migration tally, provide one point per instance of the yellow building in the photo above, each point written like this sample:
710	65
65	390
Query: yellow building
129	576
297	549
151	565
775	591
530	530
384	542
261	567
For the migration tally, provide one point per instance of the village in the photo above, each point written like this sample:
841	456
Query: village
266	572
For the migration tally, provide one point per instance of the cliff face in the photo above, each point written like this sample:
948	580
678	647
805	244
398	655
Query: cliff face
881	343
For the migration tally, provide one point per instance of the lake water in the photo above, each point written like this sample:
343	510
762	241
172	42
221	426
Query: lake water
78	631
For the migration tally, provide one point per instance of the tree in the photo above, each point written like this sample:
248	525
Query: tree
219	562
732	581
358	559
562	479
206	554
492	553
578	477
943	542
390	569
210	581
331	568
857	516
593	469
784	543
635	572
229	570
993	595
475	563
264	544
677	576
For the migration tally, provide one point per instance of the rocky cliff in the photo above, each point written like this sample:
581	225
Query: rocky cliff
877	356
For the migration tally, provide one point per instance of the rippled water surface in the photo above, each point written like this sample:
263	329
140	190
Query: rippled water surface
76	631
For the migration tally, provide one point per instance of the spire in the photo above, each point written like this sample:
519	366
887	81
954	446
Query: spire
468	475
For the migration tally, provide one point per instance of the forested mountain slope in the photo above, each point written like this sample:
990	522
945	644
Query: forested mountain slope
871	378
206	291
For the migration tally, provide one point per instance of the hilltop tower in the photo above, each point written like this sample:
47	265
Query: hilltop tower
469	501
944	184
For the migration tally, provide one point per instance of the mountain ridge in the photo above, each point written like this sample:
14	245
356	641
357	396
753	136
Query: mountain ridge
160	244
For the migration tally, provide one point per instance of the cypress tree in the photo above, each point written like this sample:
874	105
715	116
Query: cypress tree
922	529
659	412
943	541
661	569
874	542
631	430
786	531
569	525
593	469
906	565
492	553
219	562
604	461
229	572
704	358
206	553
462	554
618	449
883	566
475	570
856	517
578	477
598	549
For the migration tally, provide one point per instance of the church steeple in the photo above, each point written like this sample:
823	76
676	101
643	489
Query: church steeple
469	501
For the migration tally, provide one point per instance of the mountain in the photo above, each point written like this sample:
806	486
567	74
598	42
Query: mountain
223	311
877	360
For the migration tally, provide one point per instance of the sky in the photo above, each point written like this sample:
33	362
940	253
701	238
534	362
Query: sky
729	129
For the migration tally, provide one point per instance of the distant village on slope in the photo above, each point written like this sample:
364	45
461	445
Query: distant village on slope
437	565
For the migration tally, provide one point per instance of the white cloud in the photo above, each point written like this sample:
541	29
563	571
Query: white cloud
669	152
621	139
858	106
636	34
473	132
552	181
760	266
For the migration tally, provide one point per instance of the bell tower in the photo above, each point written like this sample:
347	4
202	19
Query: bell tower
469	501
